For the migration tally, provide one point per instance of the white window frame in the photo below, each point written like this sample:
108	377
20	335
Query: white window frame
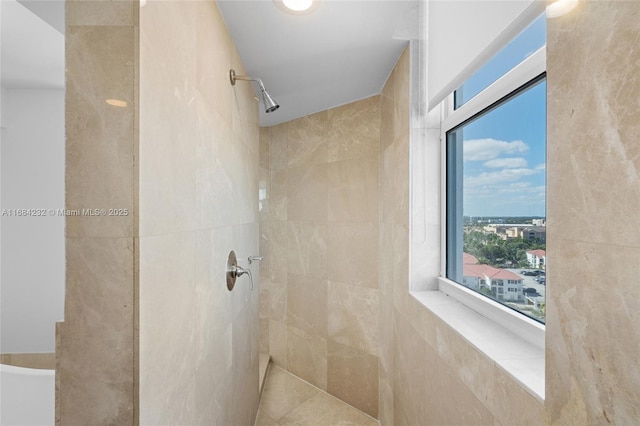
529	69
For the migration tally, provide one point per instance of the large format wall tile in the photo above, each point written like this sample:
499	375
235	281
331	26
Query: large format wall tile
307	249
353	377
96	345
353	190
307	356
199	199
353	253
100	146
95	355
307	304
322	210
352	310
307	189
354	130
592	337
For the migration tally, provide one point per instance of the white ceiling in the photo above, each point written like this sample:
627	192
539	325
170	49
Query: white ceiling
32	50
341	52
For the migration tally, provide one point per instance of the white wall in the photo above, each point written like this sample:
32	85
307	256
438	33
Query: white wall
32	265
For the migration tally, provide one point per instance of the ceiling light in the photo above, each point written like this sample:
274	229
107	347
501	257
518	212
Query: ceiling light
560	7
298	5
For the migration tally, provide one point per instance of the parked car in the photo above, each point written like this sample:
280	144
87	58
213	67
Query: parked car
531	291
541	279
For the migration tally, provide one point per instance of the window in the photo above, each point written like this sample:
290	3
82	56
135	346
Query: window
495	137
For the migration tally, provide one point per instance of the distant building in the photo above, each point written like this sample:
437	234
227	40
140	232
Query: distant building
506	285
534	233
539	222
525	231
537	258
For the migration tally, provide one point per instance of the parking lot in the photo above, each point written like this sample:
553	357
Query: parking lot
530	281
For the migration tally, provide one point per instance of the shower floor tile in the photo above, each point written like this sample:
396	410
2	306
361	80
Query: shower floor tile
288	400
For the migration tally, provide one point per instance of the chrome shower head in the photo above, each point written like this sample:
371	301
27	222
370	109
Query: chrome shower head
269	104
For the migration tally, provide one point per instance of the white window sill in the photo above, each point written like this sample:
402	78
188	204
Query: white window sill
518	350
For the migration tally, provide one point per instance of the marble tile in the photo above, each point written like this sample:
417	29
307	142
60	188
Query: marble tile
213	308
353	377
279	190
45	361
307	192
353	253
96	350
102	13
401	119
307	356
408	375
591	350
263	419
283	392
353	190
354	130
387	106
167	284
100	143
307	140
278	302
353	316
597	167
213	93
96	381
593	128
278	151
99	290
323	409
278	343
278	251
394	183
265	141
307	246
264	335
307	304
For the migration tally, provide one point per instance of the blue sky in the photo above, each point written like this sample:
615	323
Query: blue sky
505	149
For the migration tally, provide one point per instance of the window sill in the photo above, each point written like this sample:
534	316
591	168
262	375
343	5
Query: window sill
517	350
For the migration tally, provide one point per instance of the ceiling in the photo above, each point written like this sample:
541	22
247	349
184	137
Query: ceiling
32	49
341	52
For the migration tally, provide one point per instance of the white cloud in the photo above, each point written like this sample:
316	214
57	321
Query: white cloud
506	163
488	149
504	175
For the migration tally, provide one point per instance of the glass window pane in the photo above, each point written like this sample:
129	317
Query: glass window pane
496	202
523	46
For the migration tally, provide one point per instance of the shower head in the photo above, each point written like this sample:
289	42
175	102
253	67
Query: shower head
269	104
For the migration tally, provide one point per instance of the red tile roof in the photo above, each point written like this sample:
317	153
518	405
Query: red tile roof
469	259
539	253
481	271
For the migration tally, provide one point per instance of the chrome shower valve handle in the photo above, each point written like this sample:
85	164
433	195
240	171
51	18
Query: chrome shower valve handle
234	271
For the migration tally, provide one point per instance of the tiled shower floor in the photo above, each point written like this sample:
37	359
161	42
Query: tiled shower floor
287	400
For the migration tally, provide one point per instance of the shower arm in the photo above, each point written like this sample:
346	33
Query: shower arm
233	77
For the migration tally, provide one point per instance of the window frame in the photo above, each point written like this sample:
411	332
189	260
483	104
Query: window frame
519	78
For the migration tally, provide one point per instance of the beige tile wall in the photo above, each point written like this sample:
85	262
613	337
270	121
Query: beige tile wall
320	311
95	345
593	338
199	182
45	361
428	373
151	333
